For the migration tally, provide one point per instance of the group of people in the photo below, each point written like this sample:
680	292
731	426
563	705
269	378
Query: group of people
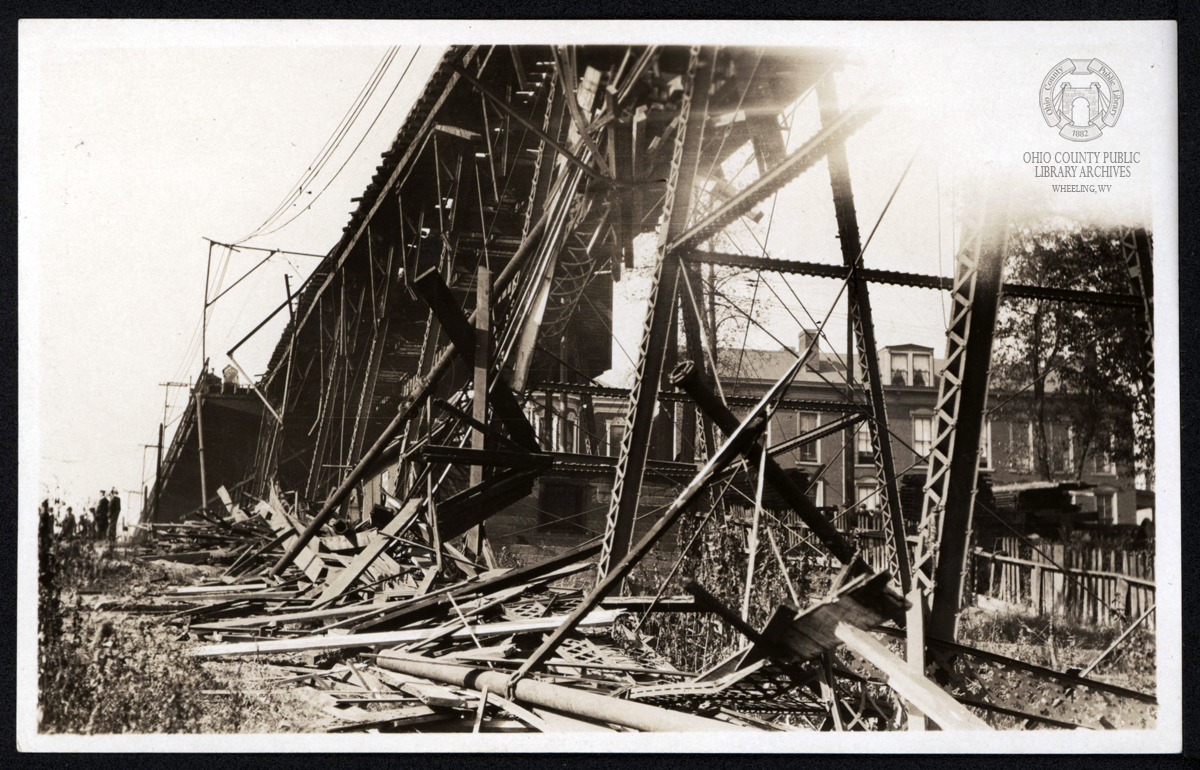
98	523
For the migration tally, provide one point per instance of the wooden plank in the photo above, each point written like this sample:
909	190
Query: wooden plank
596	618
308	560
368	555
933	701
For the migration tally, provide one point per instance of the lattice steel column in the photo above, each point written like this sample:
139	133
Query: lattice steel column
1136	248
864	335
635	444
954	461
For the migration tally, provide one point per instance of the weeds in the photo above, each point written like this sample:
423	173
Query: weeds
105	672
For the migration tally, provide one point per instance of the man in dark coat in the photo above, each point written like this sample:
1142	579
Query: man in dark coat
114	515
101	516
68	525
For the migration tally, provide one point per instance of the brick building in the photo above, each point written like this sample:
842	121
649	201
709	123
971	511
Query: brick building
568	507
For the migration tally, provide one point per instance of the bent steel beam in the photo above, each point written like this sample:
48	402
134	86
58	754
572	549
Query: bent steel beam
571	700
686	377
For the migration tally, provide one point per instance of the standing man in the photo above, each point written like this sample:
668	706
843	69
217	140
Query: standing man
68	525
114	515
101	516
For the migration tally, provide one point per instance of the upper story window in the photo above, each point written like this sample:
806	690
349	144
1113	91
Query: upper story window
571	433
810	452
914	369
921	370
923	437
616	431
1102	460
900	369
864	455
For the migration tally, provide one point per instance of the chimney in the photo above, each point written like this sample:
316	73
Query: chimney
807	337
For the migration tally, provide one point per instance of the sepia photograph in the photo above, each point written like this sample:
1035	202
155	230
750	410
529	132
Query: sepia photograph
427	386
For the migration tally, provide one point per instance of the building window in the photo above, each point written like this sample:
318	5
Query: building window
616	430
571	439
865	496
899	368
922	376
816	493
1020	446
1106	507
810	452
923	437
533	414
985	446
865	455
561	508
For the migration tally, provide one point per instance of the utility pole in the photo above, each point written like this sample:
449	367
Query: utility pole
199	396
162	426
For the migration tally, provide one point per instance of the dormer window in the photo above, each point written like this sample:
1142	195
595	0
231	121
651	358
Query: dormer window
899	368
910	369
921	377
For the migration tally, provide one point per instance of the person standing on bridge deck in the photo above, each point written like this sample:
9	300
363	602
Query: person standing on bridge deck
114	515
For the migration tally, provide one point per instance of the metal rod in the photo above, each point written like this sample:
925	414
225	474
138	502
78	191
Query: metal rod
685	377
571	700
1117	643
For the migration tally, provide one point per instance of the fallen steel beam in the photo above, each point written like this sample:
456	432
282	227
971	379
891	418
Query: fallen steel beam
760	189
685	377
575	701
745	433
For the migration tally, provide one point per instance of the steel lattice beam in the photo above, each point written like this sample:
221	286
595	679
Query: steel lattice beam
864	333
897	278
954	461
635	444
1135	247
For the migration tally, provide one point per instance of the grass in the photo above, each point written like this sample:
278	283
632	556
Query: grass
103	671
1061	644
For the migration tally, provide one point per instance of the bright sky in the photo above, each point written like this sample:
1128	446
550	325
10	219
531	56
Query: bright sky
138	141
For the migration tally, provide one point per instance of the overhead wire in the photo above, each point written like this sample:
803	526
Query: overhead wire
353	151
331	144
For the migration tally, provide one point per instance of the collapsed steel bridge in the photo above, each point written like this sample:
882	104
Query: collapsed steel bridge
477	272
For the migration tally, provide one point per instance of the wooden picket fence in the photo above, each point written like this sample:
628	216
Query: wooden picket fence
1099	584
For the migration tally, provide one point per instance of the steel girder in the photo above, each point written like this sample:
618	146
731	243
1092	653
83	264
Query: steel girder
916	280
950	484
635	444
864	337
1136	248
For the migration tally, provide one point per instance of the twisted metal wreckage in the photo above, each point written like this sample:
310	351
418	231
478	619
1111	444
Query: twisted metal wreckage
469	280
